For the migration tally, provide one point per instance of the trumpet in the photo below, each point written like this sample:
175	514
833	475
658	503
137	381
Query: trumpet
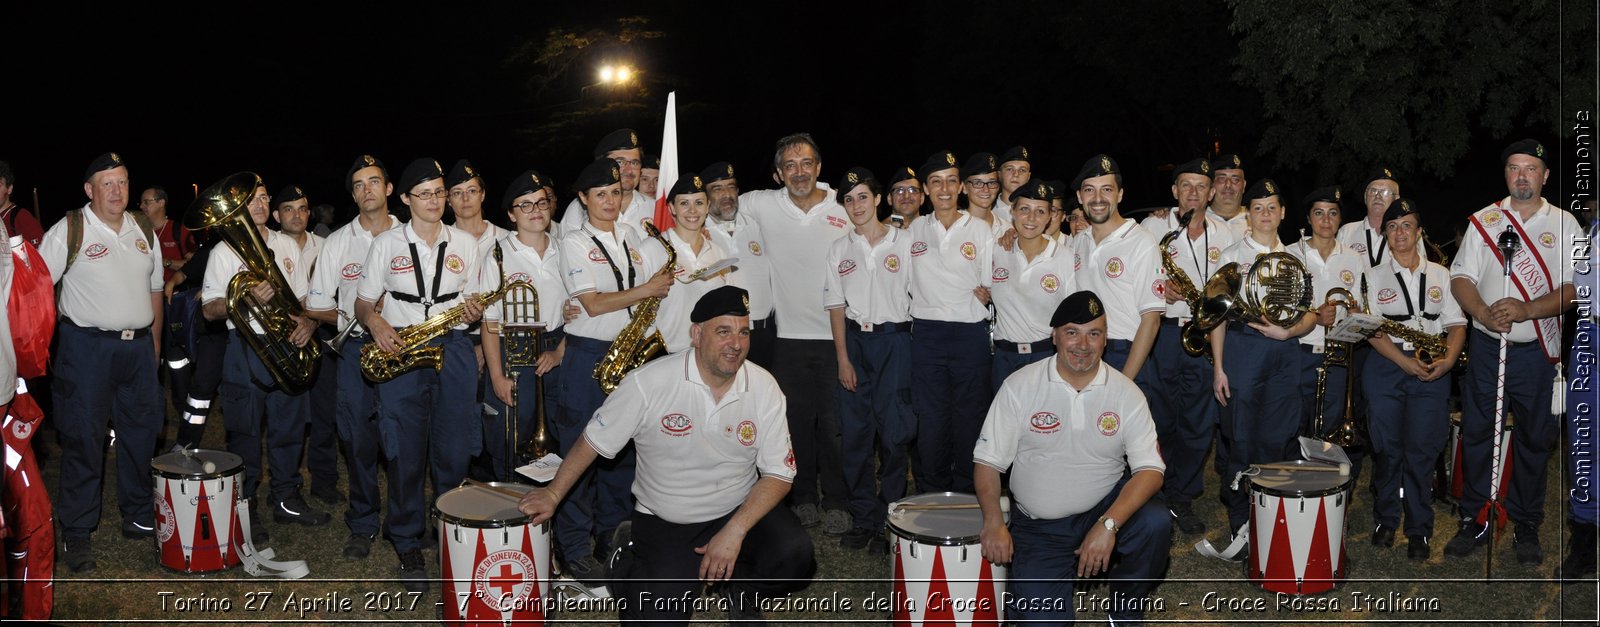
336	343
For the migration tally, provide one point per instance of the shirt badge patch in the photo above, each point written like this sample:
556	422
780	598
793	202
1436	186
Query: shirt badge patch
1114	268
755	249
1159	288
1386	296
788	460
1213	254
1050	283
350	271
1547	239
596	255
519	276
917	248
400	264
1491	218
846	267
141	246
1347	277
1000	274
1359	247
1109	423
836	222
892	263
96	251
634	255
969	251
747	433
676	425
454	263
1077	262
1044	422
1435	294
288	265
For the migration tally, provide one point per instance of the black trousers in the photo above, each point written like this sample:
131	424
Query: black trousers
661	581
807	372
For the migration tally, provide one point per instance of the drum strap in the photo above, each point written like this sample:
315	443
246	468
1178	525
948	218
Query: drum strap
1204	547
260	563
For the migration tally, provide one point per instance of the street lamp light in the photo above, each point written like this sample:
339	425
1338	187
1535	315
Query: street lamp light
615	75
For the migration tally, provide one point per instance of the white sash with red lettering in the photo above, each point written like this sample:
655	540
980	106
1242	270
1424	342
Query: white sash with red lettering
1528	272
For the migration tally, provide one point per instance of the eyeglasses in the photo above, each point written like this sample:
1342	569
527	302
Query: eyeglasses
1380	193
627	163
905	191
984	184
465	191
430	195
527	206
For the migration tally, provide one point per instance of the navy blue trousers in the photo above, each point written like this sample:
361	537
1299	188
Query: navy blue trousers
603	497
494	422
1044	563
1185	412
1263	413
950	362
876	418
356	416
1528	379
250	398
1408	422
322	429
428	421
1007	363
102	381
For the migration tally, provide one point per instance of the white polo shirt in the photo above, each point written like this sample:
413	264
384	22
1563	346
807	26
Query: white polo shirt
392	268
871	283
1245	251
698	458
1342	268
796	240
1066	448
1552	231
1027	291
672	318
491	234
1124	270
225	263
303	263
638	210
742	238
343	257
109	284
1367	242
948	264
1003	208
589	269
1392	290
523	263
1199	257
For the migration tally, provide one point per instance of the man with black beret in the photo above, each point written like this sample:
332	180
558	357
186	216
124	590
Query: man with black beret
905	198
623	147
332	301
1227	178
980	183
738	234
951	261
1523	317
292	211
427	417
109	298
1015	171
650	176
1079	443
1366	236
714	464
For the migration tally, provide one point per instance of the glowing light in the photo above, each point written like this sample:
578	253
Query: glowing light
606	73
624	74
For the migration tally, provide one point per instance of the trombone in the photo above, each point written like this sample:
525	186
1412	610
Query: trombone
1336	353
521	344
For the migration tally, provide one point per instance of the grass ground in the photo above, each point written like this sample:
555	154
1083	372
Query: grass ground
130	586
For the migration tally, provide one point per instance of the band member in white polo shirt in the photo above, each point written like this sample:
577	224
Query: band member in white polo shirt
738	234
622	147
867	293
1365	236
1118	261
1332	265
1015	171
1227	178
1029	281
697	250
714	463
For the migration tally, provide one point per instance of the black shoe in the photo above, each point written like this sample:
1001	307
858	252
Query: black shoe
78	554
328	494
1417	548
856	539
258	531
621	538
878	545
295	510
413	572
587	570
1467	539
744	612
1383	536
132	530
1526	546
358	546
1185	519
1580	562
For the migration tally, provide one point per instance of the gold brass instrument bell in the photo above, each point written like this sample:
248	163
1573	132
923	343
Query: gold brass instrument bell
1336	353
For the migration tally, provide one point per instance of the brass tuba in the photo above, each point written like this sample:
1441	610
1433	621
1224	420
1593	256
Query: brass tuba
379	365
632	348
224	206
1194	339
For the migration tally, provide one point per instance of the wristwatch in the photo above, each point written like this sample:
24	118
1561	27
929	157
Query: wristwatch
1110	524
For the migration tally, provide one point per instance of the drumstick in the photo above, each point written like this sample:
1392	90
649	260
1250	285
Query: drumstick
937	506
1342	469
510	494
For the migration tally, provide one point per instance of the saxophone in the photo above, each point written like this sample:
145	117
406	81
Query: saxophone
379	365
633	348
1194	339
1429	347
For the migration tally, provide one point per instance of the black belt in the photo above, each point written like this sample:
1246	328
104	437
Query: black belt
1169	322
1025	348
125	334
1315	349
883	327
757	325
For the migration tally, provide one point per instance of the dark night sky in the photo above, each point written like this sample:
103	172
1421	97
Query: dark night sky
295	93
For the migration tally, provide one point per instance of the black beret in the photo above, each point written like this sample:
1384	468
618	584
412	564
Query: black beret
727	300
419	172
1528	147
942	160
1196	166
1330	193
1034	190
687	184
1226	162
902	173
1098	165
462	172
718	171
1380	173
651	162
600	173
363	161
1081	307
852	177
289	193
1015	153
1399	208
980	163
525	183
620	139
1058	189
1262	189
102	163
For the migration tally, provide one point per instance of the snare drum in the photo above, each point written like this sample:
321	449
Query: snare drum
1458	453
1297	530
197	525
496	566
940	576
